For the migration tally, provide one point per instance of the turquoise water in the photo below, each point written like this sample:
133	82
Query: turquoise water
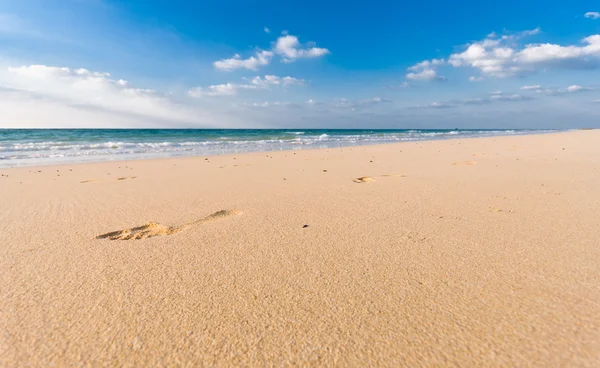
21	147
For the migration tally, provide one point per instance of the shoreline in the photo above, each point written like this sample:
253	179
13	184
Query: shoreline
466	252
119	160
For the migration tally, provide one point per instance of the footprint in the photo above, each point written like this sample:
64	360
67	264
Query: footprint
415	237
464	163
141	232
153	229
364	179
499	210
87	181
127	177
393	175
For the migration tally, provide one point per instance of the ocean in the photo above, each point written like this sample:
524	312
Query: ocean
24	147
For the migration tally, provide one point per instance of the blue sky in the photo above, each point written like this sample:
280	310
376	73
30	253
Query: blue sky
351	64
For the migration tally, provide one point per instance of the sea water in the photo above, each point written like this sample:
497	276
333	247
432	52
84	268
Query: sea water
22	147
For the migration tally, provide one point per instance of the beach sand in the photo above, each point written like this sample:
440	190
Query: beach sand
472	252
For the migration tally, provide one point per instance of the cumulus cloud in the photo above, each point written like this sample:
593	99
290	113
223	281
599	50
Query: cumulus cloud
273	80
290	49
423	75
475	79
576	88
425	70
232	89
592	15
287	46
38	94
261	58
536	86
502	57
427	64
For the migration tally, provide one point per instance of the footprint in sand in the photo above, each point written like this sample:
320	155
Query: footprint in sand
415	237
368	179
127	177
499	210
364	179
152	229
394	175
87	181
464	163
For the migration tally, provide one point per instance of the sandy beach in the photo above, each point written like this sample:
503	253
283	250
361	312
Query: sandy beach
472	252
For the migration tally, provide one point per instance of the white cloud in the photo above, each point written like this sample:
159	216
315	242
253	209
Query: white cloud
226	89
530	32
425	70
232	89
537	86
513	97
426	64
290	49
273	80
476	79
502	57
424	75
574	88
592	15
286	46
40	95
439	105
236	62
